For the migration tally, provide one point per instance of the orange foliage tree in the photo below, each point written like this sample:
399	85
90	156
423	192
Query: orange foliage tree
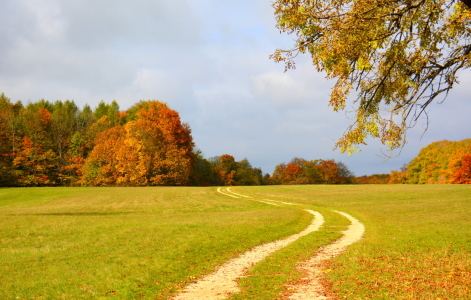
463	173
438	162
330	172
56	143
34	166
100	167
153	149
301	171
225	168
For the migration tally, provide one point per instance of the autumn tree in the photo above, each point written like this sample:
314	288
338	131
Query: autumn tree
34	161
267	179
398	176
36	123
372	179
398	56
438	162
458	166
34	165
172	163
225	168
46	143
10	139
154	149
80	144
301	171
293	170
463	173
330	172
100	167
278	174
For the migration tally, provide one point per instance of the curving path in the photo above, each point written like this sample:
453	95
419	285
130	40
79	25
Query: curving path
310	287
223	282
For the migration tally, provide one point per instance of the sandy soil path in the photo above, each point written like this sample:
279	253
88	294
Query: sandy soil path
310	287
222	283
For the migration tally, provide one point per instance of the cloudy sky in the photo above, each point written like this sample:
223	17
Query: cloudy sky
208	59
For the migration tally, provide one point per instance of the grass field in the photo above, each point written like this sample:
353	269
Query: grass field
147	243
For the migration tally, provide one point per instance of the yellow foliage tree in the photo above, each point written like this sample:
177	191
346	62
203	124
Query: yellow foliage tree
398	55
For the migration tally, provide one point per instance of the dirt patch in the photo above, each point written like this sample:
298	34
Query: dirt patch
223	282
309	287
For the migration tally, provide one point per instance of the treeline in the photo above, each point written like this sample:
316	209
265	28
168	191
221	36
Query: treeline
224	170
372	179
58	144
443	162
301	171
439	162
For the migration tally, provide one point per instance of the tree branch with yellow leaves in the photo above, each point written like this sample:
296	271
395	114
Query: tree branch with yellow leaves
398	56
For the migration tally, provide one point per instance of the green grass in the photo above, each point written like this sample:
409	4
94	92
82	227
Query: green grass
267	279
125	243
417	243
147	243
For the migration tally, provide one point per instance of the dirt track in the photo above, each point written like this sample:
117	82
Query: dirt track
223	282
309	287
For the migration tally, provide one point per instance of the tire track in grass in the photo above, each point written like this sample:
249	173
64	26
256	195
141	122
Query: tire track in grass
223	282
228	192
309	287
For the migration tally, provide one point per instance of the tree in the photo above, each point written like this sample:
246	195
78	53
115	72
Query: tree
154	149
344	172
398	55
398	177
301	171
109	110
292	172
246	174
34	165
100	167
203	172
463	174
167	144
63	125
438	162
9	139
225	166
278	174
330	172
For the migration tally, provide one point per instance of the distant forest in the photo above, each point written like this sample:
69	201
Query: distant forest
440	162
58	144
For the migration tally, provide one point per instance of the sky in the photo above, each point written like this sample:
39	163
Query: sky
208	60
